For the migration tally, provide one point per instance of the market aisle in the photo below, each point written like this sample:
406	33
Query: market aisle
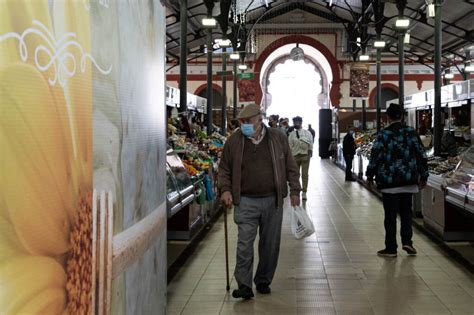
334	271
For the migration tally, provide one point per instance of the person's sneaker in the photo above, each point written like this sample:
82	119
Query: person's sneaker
387	253
304	196
263	289
243	292
409	249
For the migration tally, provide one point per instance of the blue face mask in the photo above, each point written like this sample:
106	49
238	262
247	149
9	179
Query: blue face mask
247	129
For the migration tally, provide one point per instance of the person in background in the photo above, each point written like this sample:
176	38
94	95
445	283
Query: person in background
313	133
400	167
349	150
184	125
301	144
254	172
233	125
273	121
284	125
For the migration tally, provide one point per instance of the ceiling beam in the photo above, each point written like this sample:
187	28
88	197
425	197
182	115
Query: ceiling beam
442	21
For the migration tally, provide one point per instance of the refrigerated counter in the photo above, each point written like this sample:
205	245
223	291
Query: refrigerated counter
448	202
185	213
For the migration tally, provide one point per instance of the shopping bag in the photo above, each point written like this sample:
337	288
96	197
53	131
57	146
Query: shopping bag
301	224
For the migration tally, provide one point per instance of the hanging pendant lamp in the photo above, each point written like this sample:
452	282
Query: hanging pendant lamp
297	53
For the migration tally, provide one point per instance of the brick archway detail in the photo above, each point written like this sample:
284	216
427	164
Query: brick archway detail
335	92
390	86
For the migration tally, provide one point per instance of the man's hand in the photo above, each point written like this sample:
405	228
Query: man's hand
422	184
310	153
295	200
226	198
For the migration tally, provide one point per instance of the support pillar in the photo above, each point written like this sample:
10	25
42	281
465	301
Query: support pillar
235	90
364	114
379	88
224	92
401	71
438	129
183	58
209	90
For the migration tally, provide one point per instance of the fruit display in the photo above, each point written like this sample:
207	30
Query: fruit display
364	142
194	165
192	171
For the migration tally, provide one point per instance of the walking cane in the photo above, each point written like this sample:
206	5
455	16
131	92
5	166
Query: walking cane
226	248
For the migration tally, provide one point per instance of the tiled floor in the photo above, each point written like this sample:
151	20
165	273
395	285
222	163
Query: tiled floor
335	271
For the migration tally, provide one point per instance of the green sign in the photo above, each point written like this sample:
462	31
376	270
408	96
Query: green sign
246	76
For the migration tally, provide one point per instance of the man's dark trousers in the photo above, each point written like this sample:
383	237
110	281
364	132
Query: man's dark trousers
348	158
393	204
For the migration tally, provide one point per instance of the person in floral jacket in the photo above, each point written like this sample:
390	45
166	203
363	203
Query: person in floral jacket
399	164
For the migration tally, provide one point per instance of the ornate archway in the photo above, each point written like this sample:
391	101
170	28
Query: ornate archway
334	93
267	101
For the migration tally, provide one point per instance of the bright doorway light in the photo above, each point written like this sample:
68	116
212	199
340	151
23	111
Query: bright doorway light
295	88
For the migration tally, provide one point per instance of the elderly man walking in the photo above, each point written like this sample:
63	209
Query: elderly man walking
254	170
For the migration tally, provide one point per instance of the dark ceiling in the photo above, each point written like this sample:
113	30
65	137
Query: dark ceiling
360	18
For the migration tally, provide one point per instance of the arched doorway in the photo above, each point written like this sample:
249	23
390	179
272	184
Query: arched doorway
335	81
295	88
389	92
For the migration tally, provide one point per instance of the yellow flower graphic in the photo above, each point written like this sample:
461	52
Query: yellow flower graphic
45	157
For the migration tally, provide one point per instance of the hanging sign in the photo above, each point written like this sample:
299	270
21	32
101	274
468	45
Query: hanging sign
246	76
359	77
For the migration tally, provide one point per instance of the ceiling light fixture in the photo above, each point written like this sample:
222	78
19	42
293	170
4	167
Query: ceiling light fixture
379	44
234	56
209	22
364	57
448	75
430	10
402	23
223	43
469	67
242	67
406	38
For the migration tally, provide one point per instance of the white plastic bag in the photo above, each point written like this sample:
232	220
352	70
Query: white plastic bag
301	224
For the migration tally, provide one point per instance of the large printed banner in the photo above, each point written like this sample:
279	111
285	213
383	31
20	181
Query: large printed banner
359	77
81	117
46	157
247	90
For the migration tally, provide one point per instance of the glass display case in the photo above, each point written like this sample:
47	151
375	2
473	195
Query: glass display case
459	200
461	181
185	213
183	180
172	195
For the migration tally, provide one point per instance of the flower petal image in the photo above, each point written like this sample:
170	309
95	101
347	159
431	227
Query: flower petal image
10	245
24	278
34	164
49	301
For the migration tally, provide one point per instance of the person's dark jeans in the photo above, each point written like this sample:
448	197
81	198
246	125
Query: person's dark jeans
393	204
348	159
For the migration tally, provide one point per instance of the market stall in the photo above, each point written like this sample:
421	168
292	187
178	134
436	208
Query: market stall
192	172
447	203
